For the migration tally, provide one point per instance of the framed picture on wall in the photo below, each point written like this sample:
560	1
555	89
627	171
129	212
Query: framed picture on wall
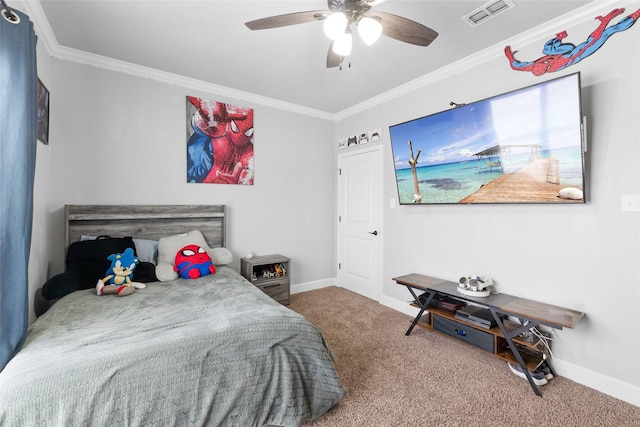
43	113
219	142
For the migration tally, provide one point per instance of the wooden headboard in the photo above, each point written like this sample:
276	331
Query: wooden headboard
139	221
145	221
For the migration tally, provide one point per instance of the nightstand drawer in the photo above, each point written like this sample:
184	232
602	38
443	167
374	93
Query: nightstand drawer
278	290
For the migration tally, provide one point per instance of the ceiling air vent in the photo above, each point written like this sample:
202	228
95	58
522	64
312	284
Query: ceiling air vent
487	12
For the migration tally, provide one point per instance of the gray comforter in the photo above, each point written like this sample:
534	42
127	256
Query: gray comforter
211	351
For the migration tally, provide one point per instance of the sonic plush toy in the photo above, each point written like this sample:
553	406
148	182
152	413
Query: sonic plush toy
118	279
192	262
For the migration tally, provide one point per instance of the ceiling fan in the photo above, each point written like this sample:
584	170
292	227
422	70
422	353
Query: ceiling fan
338	20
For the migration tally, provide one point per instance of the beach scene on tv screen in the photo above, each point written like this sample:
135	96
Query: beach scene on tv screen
524	146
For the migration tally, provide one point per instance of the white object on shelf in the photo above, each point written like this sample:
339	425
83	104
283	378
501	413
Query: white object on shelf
469	292
475	287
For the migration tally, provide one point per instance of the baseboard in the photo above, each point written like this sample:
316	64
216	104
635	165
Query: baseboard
595	380
607	385
310	286
401	306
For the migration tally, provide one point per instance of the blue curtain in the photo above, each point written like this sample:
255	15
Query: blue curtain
18	127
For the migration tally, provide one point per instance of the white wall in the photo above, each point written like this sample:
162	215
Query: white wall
584	257
121	139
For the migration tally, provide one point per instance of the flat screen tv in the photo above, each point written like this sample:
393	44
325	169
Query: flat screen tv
523	146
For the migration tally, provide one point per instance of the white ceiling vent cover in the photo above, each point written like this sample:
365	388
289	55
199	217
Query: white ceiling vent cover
487	12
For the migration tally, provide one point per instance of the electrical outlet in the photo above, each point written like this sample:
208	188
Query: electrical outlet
631	203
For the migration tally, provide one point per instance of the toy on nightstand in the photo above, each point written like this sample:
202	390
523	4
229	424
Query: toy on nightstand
280	270
268	273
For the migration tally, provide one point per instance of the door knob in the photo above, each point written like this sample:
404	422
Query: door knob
374	232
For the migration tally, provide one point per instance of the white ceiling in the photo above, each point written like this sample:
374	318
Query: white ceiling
208	41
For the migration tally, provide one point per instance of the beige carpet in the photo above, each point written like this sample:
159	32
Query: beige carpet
427	379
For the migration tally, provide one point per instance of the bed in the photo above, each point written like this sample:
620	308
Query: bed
208	351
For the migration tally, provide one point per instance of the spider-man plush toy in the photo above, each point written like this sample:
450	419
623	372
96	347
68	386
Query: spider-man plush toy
192	262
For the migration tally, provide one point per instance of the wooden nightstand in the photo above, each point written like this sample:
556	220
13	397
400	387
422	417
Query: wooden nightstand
270	273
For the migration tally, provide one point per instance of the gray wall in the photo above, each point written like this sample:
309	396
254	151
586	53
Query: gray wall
121	139
584	257
41	230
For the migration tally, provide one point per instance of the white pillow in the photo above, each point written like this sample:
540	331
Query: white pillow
169	246
220	256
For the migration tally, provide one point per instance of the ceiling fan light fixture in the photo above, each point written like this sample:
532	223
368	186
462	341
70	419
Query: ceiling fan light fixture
342	45
370	29
335	25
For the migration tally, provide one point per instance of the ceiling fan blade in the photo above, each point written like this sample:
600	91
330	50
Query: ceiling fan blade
375	2
404	29
286	20
333	59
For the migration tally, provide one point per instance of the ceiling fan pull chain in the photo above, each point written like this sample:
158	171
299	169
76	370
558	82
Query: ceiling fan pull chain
340	66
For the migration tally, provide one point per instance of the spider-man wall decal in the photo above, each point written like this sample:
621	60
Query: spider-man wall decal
559	55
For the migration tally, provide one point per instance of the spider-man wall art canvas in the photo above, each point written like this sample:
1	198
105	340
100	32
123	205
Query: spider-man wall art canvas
219	142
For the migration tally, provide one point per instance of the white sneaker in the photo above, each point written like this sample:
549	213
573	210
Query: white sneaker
537	379
546	372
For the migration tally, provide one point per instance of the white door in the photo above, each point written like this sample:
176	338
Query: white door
359	220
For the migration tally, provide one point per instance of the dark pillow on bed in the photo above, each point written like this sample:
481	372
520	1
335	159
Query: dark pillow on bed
65	283
89	257
145	272
85	264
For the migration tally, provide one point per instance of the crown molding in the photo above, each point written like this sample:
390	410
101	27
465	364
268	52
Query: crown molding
74	55
587	12
45	34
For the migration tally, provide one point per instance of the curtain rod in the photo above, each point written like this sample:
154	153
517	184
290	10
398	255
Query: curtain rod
8	13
